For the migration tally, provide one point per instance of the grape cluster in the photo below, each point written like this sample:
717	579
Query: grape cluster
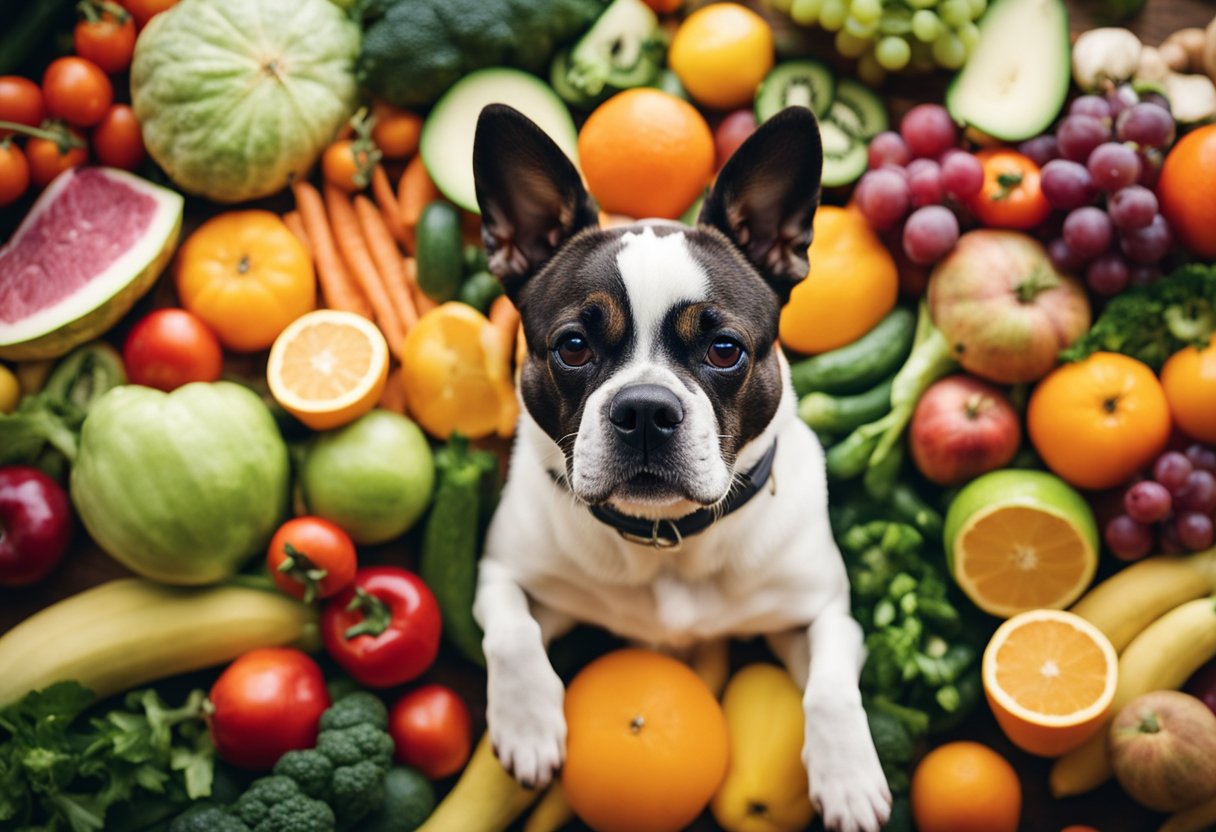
914	176
894	35
1099	167
1177	505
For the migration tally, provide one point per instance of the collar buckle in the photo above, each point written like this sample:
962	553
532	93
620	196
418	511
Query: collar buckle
665	542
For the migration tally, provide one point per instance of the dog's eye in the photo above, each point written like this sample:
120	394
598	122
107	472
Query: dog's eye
724	353
573	351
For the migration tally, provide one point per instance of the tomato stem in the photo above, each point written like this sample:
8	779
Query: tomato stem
1009	182
376	614
93	11
300	567
58	134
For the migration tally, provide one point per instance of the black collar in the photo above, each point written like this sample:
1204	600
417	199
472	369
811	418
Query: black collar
668	534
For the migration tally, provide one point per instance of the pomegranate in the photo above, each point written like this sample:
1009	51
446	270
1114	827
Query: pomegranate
1163	750
962	427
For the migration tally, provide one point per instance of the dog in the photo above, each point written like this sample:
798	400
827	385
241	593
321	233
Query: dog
661	485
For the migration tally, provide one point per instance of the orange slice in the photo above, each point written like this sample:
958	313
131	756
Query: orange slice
1050	678
328	368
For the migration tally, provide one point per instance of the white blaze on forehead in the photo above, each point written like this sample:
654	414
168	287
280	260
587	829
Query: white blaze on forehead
658	273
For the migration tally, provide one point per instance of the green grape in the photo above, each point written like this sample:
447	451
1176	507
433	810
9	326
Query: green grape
948	51
926	26
954	13
977	8
866	11
969	34
832	14
893	53
782	6
896	21
857	29
805	12
870	71
921	4
850	46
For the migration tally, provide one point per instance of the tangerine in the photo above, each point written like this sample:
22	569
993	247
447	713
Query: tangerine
721	53
1189	381
1188	180
965	787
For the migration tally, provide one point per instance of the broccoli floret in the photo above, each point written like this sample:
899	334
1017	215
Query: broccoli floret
358	790
207	817
354	741
1153	322
312	771
356	708
276	804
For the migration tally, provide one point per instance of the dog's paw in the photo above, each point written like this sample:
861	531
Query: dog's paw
526	723
846	779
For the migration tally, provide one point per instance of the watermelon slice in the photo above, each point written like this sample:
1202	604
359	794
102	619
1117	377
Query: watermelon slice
92	245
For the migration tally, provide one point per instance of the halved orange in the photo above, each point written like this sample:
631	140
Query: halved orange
328	368
1050	677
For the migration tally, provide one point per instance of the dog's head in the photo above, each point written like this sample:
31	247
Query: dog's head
652	356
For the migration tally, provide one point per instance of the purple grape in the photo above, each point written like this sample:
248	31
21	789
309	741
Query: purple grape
1064	258
1171	470
1201	457
1132	207
1194	530
1157	100
1113	166
925	182
929	233
1147	125
1147	501
1089	105
1198	493
1139	274
962	175
1041	149
1150	166
883	198
1149	244
1067	184
1120	99
1088	231
928	130
1107	274
1128	539
888	147
1079	135
1168	542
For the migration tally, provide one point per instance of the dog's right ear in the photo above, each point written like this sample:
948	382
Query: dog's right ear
531	196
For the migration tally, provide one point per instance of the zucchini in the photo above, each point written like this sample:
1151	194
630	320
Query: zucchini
440	251
826	413
861	364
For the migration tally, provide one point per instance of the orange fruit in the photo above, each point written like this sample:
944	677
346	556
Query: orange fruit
1100	420
646	153
457	374
1188	180
1189	381
721	53
853	283
646	743
965	787
1050	678
328	368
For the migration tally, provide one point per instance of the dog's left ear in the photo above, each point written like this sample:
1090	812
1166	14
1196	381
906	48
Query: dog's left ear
531	196
766	194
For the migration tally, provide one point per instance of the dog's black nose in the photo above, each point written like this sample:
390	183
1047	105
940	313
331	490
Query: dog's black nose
645	415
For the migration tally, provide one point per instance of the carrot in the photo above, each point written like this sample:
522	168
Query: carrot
393	397
505	318
337	288
382	189
422	301
389	262
414	191
296	226
358	258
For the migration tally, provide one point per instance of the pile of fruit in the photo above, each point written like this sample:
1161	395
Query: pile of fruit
257	379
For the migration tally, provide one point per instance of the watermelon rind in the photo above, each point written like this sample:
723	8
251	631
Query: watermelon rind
89	312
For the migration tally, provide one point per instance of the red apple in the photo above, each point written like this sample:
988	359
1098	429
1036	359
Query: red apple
962	427
731	132
35	525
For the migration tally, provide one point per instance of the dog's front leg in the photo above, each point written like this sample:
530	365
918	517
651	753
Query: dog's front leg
524	695
846	778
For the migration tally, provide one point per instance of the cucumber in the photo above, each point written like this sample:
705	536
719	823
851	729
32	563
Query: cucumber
908	506
439	251
479	289
849	457
861	364
802	83
841	414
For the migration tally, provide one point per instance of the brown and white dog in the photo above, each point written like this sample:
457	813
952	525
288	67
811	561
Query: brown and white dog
661	485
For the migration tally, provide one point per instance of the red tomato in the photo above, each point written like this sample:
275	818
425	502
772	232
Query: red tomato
117	140
383	629
14	173
264	704
76	91
20	102
347	165
1011	196
49	158
144	10
107	41
311	558
432	731
171	347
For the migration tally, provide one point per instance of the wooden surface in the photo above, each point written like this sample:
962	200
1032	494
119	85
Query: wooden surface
1107	809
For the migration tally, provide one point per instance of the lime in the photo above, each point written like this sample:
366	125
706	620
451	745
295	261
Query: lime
1019	540
373	477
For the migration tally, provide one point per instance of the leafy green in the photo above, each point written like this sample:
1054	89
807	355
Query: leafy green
60	770
1153	322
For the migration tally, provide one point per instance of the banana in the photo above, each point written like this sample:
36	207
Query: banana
1162	657
1134	597
552	812
1194	819
131	631
484	799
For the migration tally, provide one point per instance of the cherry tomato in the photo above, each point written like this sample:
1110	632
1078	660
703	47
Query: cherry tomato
171	347
49	158
20	102
14	173
36	517
396	132
264	704
107	41
431	731
1011	196
144	10
76	91
346	166
311	558
384	628
117	140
